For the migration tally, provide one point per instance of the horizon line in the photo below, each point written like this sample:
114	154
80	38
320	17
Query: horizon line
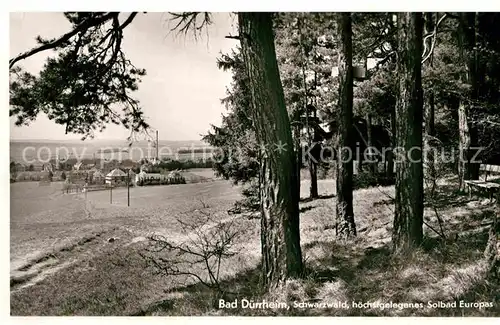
89	140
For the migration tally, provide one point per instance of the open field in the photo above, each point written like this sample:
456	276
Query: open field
42	218
63	263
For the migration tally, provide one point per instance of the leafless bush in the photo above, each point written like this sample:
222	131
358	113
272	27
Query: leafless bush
435	162
205	242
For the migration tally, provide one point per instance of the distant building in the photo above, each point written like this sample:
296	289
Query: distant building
98	177
150	178
20	167
116	176
77	176
37	166
144	178
95	176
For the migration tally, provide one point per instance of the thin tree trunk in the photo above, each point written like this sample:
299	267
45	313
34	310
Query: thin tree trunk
468	170
390	153
313	171
314	165
280	235
408	219
298	152
369	140
429	112
345	225
313	189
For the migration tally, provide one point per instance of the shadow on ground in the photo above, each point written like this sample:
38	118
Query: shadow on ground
321	197
440	271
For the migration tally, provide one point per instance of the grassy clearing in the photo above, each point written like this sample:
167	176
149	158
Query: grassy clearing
113	279
364	270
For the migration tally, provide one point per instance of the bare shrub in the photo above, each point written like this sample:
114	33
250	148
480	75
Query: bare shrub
438	162
199	252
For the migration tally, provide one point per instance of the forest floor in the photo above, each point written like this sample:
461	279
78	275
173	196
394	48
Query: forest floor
92	276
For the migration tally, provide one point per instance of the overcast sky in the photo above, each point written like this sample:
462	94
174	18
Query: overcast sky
183	87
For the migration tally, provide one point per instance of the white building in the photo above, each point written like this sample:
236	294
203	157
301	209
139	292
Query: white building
144	178
116	176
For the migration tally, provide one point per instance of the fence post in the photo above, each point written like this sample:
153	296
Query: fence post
128	188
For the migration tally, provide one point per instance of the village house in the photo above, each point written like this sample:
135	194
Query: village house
98	177
116	177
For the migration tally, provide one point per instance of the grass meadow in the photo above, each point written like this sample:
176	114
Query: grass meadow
77	256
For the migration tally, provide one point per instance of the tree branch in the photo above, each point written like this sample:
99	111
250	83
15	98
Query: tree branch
433	44
84	26
236	37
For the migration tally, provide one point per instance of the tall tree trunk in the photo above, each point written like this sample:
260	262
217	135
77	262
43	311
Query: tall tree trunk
369	142
468	140
313	172
390	153
313	188
298	153
429	112
316	139
280	234
345	225
408	219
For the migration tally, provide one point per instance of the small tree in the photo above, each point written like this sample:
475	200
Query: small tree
199	254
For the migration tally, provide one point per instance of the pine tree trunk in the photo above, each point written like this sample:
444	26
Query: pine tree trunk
468	169
345	225
280	235
429	113
408	219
